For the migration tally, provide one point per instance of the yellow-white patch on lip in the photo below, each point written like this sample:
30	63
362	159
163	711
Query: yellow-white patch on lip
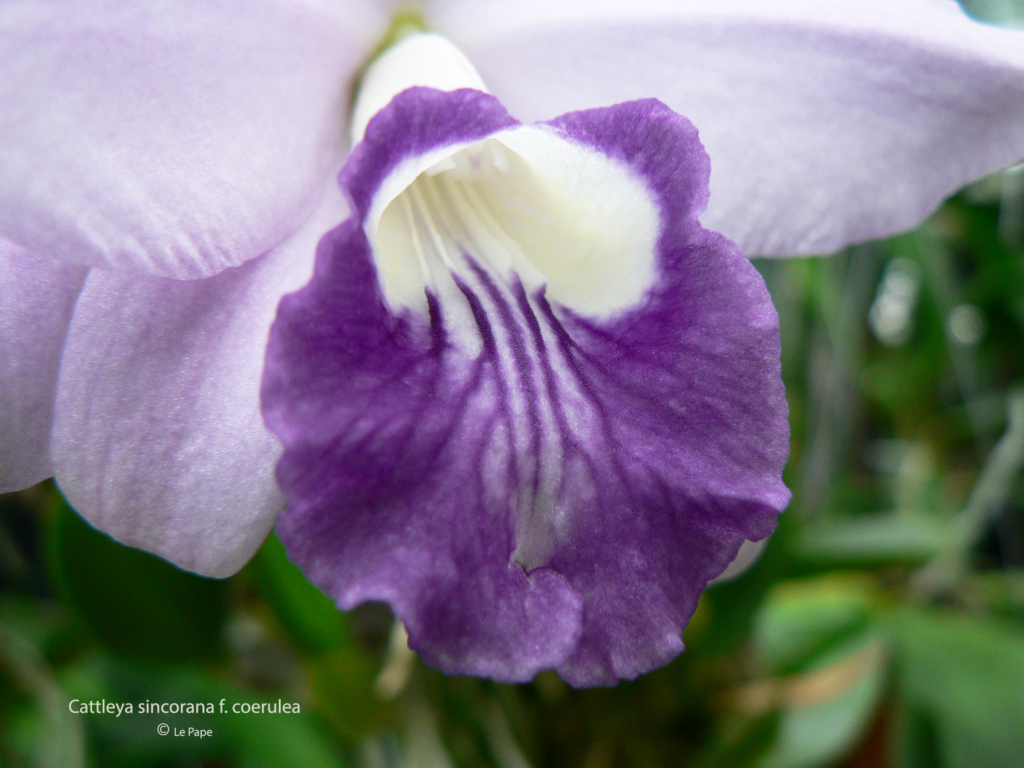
526	204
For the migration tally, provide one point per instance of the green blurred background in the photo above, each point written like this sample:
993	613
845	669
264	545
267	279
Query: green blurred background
883	626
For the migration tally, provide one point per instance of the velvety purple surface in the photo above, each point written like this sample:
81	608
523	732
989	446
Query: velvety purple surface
406	465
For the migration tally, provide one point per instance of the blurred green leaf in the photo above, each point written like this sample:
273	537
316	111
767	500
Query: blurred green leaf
342	684
829	709
902	538
741	741
43	623
47	735
308	615
282	741
818	640
1005	12
999	592
995	485
136	604
801	620
917	743
961	679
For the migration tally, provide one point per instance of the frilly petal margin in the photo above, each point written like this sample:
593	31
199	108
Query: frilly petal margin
172	139
828	123
401	465
37	297
157	437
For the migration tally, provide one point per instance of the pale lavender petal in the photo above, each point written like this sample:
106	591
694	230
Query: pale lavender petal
37	297
158	438
560	496
827	122
169	138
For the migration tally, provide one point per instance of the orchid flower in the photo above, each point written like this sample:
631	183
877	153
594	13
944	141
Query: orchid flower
167	170
526	399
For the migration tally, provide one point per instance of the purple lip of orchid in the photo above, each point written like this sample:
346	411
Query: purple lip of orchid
536	467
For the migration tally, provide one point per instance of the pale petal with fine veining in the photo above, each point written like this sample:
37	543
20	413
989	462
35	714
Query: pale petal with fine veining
158	438
169	138
827	123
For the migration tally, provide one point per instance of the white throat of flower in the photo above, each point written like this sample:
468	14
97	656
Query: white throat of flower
525	204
